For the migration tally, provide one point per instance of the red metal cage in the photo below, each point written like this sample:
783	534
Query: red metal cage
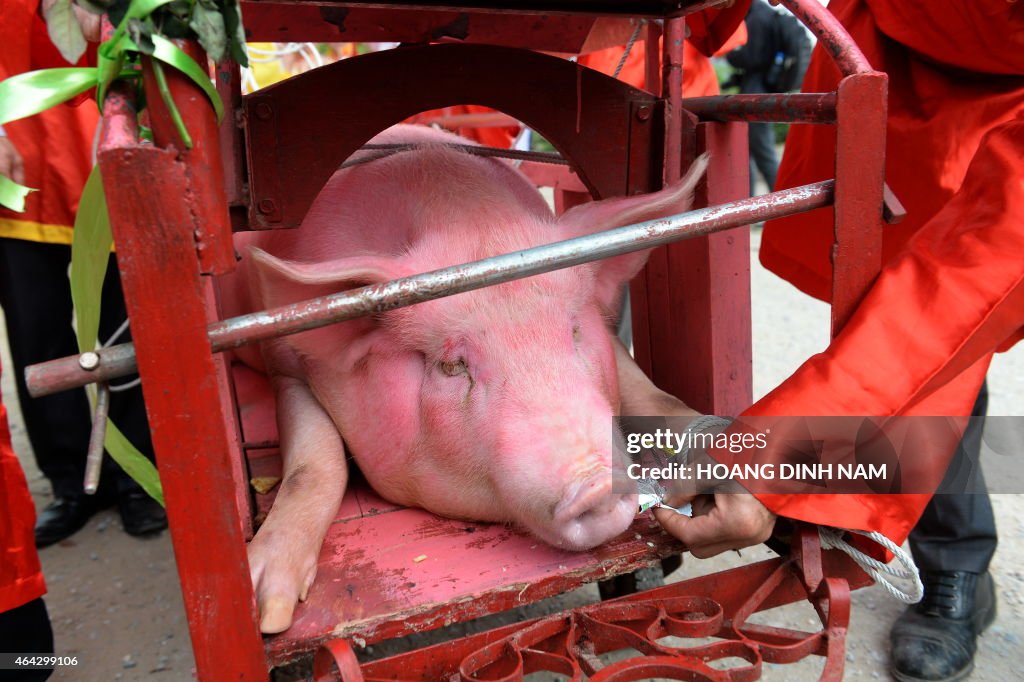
212	425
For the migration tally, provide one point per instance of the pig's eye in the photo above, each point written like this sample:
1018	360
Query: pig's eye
453	368
576	332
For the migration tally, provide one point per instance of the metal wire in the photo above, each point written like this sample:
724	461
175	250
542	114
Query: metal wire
832	538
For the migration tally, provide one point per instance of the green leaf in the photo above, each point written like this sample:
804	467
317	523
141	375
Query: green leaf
235	31
169	53
138	9
208	24
64	30
94	6
90	253
133	462
141	33
29	93
12	195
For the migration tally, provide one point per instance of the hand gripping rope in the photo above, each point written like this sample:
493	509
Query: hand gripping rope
652	494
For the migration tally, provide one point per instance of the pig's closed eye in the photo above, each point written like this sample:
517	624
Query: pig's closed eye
577	333
453	368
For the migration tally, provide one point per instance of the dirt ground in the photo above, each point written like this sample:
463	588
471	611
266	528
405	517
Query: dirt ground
116	604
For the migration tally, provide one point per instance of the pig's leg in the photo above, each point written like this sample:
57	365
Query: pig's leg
283	555
638	395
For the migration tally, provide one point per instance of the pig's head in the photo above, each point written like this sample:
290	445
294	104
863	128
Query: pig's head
491	405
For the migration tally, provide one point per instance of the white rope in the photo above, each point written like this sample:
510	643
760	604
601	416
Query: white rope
629	47
109	342
126	387
832	538
116	335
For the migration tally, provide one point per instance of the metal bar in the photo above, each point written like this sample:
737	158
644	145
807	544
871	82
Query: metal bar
94	454
772	108
830	33
672	94
117	361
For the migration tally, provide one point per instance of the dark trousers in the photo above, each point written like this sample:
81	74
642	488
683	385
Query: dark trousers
761	138
957	531
26	630
36	300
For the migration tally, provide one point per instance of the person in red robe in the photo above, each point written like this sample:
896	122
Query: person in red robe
951	293
24	622
52	152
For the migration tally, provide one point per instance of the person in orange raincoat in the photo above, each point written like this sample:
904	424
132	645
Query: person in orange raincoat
951	293
52	152
699	77
24	622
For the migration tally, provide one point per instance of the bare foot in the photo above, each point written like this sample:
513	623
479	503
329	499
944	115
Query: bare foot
638	396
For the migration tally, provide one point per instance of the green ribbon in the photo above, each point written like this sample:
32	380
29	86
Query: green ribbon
12	195
29	93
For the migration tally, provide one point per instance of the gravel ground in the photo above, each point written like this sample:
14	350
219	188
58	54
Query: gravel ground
115	601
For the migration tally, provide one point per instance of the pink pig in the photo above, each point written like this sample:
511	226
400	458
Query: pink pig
492	405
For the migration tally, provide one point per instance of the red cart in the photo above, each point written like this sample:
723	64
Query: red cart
262	169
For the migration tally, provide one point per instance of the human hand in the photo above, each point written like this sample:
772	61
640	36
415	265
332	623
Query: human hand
89	22
721	521
10	162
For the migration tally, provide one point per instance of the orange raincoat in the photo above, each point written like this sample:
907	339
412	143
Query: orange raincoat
952	288
21	577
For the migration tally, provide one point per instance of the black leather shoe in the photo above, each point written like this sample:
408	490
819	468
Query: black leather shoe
935	640
64	517
141	514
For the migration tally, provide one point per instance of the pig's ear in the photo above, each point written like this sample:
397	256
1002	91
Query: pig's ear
280	282
596	216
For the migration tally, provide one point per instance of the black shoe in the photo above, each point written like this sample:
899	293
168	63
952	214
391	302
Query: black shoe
141	514
935	640
64	517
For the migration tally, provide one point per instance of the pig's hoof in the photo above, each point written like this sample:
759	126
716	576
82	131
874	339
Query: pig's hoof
279	586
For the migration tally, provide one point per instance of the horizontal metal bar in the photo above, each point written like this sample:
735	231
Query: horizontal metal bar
116	361
798	107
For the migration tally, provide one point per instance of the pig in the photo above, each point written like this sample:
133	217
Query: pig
493	405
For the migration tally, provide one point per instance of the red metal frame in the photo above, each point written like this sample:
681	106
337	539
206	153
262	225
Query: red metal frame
701	287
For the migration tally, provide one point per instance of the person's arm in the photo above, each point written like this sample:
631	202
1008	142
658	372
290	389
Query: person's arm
953	296
11	165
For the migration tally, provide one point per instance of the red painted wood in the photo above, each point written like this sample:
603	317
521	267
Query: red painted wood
158	264
225	391
860	175
710	289
295	143
286	22
369	584
205	190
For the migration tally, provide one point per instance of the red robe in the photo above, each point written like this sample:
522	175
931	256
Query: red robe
21	578
952	288
699	77
55	145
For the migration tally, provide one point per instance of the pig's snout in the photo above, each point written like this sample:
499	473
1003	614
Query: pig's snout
590	513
